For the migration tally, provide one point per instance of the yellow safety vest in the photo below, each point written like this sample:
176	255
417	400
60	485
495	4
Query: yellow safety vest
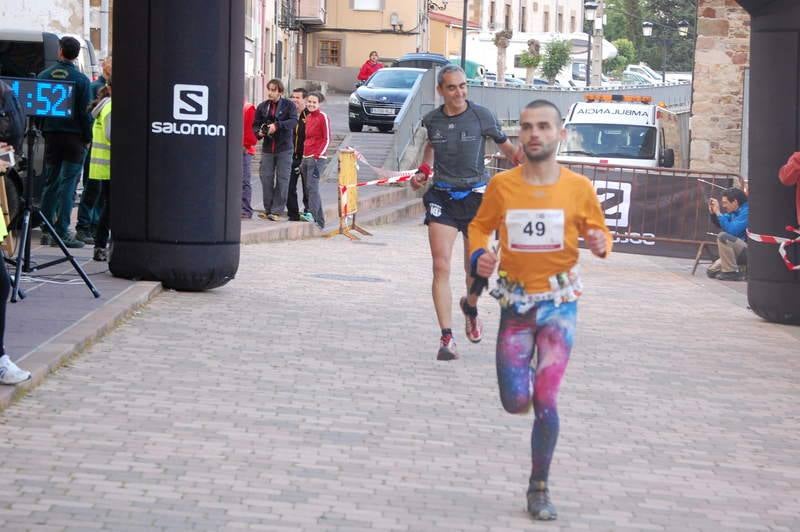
100	163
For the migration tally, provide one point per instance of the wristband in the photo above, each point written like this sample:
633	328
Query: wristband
426	170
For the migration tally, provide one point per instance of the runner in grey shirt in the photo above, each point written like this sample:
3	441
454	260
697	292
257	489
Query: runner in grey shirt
457	133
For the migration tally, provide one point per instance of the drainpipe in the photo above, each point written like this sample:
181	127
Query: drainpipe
104	27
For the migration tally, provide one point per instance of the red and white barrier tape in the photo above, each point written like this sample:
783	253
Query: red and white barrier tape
782	244
387	176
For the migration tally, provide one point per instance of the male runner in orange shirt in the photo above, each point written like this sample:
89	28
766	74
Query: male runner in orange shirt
540	209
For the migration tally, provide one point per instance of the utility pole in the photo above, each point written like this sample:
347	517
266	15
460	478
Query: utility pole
464	37
597	46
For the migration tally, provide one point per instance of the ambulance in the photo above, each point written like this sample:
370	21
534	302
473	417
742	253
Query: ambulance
617	130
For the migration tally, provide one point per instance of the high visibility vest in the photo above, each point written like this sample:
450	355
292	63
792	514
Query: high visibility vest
100	163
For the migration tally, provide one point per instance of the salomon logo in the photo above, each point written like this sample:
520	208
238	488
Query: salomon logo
190	102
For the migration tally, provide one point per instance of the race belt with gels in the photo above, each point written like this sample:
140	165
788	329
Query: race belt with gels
565	287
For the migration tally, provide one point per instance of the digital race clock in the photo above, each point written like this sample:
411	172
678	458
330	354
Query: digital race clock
40	97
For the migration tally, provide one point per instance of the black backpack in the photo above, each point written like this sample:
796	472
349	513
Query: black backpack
12	118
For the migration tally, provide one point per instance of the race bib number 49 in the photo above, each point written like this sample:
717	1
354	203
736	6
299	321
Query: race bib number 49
535	230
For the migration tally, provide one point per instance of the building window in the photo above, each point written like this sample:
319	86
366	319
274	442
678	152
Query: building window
507	18
546	21
561	22
523	23
535	7
367	5
491	14
329	53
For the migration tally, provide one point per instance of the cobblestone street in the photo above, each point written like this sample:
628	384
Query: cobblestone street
305	395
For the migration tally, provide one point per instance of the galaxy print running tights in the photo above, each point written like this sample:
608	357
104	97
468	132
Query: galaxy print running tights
548	331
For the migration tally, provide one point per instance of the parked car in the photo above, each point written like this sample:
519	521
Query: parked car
424	60
491	79
378	101
643	70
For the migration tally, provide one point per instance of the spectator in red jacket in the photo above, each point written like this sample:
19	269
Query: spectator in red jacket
369	67
249	142
315	146
790	175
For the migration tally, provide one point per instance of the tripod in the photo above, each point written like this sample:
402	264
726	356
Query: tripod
30	214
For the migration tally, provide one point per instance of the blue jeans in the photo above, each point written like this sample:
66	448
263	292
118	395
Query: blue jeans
64	156
247	190
312	169
88	208
274	173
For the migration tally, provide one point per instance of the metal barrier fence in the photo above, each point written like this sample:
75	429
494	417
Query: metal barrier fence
506	102
656	211
419	102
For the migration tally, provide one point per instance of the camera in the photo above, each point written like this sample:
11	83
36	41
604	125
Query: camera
265	127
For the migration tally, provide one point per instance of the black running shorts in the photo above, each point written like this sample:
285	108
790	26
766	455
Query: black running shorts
440	208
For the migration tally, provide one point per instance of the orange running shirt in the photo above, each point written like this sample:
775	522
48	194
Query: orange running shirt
539	224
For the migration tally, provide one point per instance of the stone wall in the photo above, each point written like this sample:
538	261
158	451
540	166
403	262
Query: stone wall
721	59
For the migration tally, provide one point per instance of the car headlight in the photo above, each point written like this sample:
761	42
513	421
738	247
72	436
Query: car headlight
354	99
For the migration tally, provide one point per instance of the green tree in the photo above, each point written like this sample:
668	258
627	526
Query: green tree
665	15
556	57
624	21
626	54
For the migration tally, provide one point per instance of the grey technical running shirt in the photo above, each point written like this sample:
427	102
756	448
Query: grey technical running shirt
459	143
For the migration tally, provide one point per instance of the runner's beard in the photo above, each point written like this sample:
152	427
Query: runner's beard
545	152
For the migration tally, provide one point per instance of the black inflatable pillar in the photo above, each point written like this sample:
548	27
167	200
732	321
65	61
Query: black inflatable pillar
176	163
773	291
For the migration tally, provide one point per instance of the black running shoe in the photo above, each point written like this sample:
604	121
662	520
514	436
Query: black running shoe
539	505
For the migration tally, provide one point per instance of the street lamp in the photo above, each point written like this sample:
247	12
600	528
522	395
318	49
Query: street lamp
647	31
589	11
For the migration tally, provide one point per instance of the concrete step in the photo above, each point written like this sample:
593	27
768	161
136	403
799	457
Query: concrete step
382	204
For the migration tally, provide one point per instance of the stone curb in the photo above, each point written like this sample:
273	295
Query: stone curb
55	352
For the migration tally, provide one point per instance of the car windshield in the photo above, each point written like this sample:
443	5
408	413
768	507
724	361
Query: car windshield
609	140
390	78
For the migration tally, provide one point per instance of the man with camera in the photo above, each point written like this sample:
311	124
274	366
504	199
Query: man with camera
275	120
66	141
732	240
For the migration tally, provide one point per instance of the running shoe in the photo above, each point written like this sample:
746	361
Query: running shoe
539	505
307	217
274	217
473	324
447	348
10	373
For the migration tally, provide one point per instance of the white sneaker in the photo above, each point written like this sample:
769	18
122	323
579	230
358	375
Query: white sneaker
10	373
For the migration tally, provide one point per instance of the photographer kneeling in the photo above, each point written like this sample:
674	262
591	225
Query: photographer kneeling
731	242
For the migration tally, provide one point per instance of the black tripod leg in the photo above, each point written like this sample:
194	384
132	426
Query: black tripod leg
26	231
68	255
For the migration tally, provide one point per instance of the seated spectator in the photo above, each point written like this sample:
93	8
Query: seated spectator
731	242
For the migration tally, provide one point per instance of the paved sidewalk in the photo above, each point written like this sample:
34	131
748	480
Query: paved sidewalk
304	395
61	317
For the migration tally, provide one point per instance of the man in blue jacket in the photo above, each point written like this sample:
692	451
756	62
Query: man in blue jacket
66	141
732	241
275	120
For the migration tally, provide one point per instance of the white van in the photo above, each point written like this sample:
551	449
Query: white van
620	130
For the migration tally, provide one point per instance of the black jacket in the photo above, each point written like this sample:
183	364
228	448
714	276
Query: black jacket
285	116
81	121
